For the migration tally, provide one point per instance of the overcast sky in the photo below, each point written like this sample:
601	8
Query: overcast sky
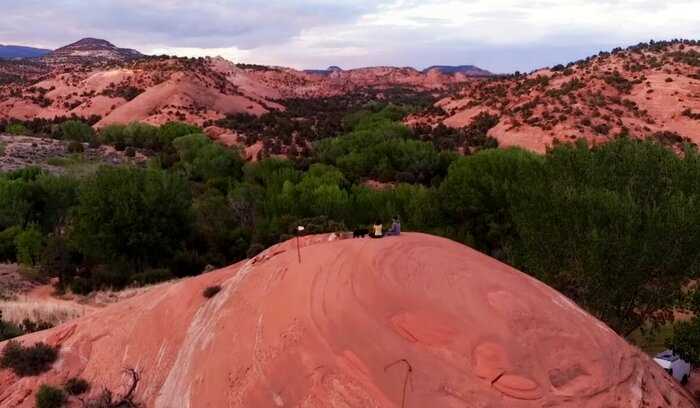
499	35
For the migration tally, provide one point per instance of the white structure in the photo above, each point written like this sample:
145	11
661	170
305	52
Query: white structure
674	365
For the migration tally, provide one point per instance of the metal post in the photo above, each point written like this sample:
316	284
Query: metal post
299	230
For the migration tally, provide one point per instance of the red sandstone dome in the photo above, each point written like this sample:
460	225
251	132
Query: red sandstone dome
414	321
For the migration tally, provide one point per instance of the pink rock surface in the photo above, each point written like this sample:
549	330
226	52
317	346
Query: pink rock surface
415	321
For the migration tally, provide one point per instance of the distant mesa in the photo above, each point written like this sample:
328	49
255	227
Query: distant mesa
21	52
327	71
91	50
469	70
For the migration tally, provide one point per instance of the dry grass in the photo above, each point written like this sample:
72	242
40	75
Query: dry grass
40	310
107	297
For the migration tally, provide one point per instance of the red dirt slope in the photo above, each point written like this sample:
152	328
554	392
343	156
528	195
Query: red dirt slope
645	90
343	328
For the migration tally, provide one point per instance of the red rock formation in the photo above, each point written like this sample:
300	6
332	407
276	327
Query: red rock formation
415	321
93	77
644	90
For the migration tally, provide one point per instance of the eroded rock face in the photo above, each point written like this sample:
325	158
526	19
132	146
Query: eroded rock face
414	321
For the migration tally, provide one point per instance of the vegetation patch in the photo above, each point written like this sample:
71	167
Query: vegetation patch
210	291
76	386
50	397
28	361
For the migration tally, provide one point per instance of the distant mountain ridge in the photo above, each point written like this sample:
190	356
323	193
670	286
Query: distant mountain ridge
91	50
469	70
18	51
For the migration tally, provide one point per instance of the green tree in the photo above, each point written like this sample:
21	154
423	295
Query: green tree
77	131
479	193
170	131
8	247
143	135
29	245
141	216
58	259
686	334
614	228
17	129
205	160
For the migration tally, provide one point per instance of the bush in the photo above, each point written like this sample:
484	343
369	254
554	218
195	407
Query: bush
31	326
8	248
81	285
76	386
112	134
9	330
50	397
17	129
211	291
75	147
28	361
255	249
152	276
76	131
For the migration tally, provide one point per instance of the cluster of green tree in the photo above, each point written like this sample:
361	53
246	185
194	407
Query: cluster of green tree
379	147
469	139
45	127
309	119
613	227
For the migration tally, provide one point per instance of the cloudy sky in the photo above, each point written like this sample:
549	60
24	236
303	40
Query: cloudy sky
499	35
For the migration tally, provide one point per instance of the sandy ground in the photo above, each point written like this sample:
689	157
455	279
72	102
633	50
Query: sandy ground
413	321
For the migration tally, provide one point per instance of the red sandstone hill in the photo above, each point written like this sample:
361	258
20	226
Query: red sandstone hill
645	90
415	321
94	77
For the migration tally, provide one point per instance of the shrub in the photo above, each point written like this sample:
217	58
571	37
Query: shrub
210	291
75	147
8	248
50	397
76	386
9	330
152	276
254	249
112	134
17	129
81	285
76	131
28	361
31	326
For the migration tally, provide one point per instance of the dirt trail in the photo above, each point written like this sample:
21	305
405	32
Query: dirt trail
412	321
